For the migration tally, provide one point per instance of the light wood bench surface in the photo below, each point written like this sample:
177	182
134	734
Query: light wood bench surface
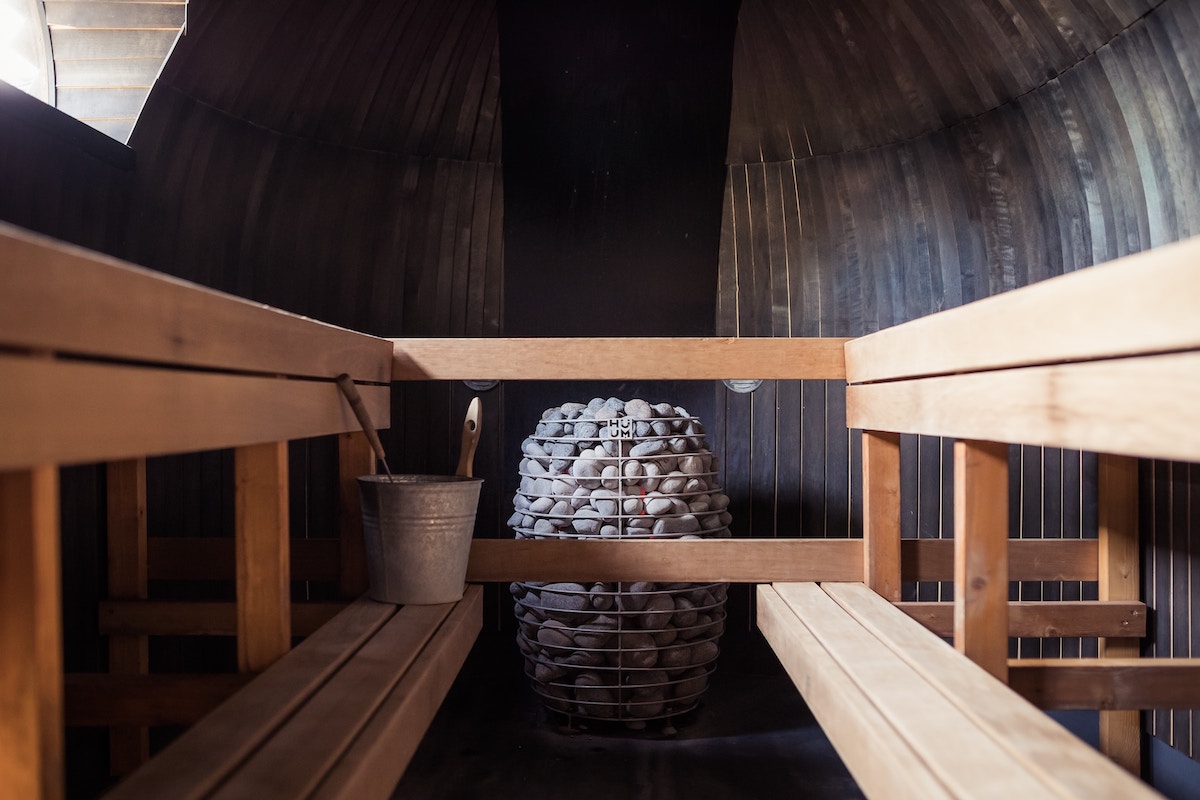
339	716
912	717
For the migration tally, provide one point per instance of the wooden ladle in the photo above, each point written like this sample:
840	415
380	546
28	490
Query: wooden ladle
470	438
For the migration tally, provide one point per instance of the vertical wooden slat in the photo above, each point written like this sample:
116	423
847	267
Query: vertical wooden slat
881	513
263	574
981	554
31	680
355	457
1120	731
127	580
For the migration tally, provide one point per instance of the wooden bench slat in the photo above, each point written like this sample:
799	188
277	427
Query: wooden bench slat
1067	765
882	762
927	719
196	762
292	762
62	297
379	755
1147	406
130	412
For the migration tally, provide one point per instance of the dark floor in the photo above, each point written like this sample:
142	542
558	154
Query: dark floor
753	737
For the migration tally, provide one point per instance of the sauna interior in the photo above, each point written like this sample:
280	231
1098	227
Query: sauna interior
923	270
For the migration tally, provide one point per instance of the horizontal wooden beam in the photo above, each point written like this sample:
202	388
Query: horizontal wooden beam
71	412
1147	407
754	560
1028	559
1046	618
616	358
719	560
197	558
64	298
1087	314
98	700
195	618
1107	683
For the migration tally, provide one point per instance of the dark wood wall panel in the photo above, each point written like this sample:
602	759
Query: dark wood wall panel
1064	140
816	80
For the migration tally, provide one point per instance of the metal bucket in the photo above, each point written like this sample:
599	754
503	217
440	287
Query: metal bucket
418	531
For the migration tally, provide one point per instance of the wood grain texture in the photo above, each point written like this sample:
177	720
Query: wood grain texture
133	411
294	760
1120	579
599	358
355	458
119	311
1108	683
264	618
1129	406
195	763
853	723
31	662
734	560
1067	766
917	710
881	513
127	580
980	554
378	756
1048	618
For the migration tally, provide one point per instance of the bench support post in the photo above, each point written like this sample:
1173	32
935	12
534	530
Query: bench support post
129	747
355	457
981	554
881	513
1119	573
31	679
263	571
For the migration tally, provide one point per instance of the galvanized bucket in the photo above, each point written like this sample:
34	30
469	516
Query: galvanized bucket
418	535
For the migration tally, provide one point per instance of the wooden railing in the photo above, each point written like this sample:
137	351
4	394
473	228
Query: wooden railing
1107	360
104	362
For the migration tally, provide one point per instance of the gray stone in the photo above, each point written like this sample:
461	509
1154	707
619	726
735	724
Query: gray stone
647	448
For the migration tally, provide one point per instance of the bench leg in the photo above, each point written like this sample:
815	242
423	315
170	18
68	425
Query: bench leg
355	457
881	513
31	679
129	747
1120	731
981	554
263	573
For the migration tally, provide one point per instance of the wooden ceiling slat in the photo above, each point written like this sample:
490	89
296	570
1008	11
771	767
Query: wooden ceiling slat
115	14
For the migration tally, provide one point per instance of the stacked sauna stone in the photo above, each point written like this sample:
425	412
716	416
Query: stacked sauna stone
614	469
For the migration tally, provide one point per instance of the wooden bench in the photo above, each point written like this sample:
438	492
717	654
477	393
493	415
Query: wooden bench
912	717
339	716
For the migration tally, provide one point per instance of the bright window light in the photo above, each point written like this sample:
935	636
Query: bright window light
23	61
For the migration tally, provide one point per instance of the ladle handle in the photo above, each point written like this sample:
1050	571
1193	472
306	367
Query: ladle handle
470	438
346	384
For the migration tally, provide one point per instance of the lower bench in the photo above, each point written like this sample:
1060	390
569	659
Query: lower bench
339	716
913	718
